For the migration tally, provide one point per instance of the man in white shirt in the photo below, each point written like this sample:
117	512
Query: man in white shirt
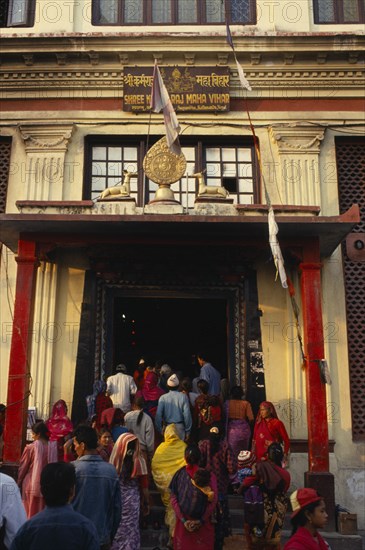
12	513
121	387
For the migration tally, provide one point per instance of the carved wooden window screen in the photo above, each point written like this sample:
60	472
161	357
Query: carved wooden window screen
5	149
350	155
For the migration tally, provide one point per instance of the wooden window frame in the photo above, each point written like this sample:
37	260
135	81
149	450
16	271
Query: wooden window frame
147	15
6	14
338	13
200	143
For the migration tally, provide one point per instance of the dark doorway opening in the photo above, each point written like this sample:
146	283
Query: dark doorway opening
170	329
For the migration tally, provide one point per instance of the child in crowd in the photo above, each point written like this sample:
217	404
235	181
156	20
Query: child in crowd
245	468
245	464
201	480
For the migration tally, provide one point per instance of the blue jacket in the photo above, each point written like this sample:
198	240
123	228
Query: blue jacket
212	376
173	408
97	495
57	528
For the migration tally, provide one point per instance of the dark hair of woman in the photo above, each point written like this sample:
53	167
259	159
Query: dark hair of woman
128	460
192	454
139	402
203	386
39	428
275	453
186	384
236	392
103	431
301	518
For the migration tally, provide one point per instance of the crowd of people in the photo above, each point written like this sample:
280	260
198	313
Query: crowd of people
156	428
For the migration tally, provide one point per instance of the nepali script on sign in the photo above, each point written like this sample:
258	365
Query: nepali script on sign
189	88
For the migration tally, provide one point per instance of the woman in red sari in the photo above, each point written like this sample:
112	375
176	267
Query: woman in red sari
59	426
268	429
32	462
151	393
193	505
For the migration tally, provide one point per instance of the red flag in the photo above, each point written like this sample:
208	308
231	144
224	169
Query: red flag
160	100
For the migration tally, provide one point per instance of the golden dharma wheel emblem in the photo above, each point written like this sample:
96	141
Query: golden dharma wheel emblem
162	166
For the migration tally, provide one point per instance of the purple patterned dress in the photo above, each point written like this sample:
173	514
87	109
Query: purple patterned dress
128	536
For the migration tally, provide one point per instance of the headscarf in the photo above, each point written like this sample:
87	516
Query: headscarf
267	405
119	453
169	457
59	425
98	387
151	391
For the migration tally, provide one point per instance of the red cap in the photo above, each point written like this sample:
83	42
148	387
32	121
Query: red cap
301	498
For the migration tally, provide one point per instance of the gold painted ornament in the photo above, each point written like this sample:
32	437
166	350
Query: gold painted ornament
164	168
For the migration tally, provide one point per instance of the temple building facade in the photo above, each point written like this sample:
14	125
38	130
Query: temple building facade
112	249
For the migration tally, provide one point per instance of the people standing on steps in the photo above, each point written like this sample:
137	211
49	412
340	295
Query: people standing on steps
174	408
121	387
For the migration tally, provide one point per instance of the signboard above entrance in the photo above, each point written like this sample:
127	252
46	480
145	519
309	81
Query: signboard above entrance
190	88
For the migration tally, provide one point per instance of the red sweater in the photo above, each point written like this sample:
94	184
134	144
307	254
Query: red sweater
303	540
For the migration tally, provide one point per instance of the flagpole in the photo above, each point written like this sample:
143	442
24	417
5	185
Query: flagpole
187	193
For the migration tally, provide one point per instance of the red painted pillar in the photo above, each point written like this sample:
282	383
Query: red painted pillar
19	371
318	455
318	475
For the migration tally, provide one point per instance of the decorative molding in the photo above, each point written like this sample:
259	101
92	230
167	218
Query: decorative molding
123	58
93	58
297	138
353	57
61	58
298	147
222	59
47	138
189	58
158	57
75	79
288	58
45	147
322	58
28	59
255	58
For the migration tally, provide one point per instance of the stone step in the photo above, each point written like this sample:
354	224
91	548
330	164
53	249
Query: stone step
153	537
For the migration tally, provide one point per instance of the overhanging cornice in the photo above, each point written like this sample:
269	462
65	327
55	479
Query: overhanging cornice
65	231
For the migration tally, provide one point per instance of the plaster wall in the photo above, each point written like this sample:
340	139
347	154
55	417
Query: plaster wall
67	16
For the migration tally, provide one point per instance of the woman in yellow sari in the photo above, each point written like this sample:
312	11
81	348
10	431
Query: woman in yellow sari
169	457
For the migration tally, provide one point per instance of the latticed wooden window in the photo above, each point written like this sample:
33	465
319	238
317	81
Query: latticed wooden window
339	11
232	165
17	13
172	12
5	148
351	179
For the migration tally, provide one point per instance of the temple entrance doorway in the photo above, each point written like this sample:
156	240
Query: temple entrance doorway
170	329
